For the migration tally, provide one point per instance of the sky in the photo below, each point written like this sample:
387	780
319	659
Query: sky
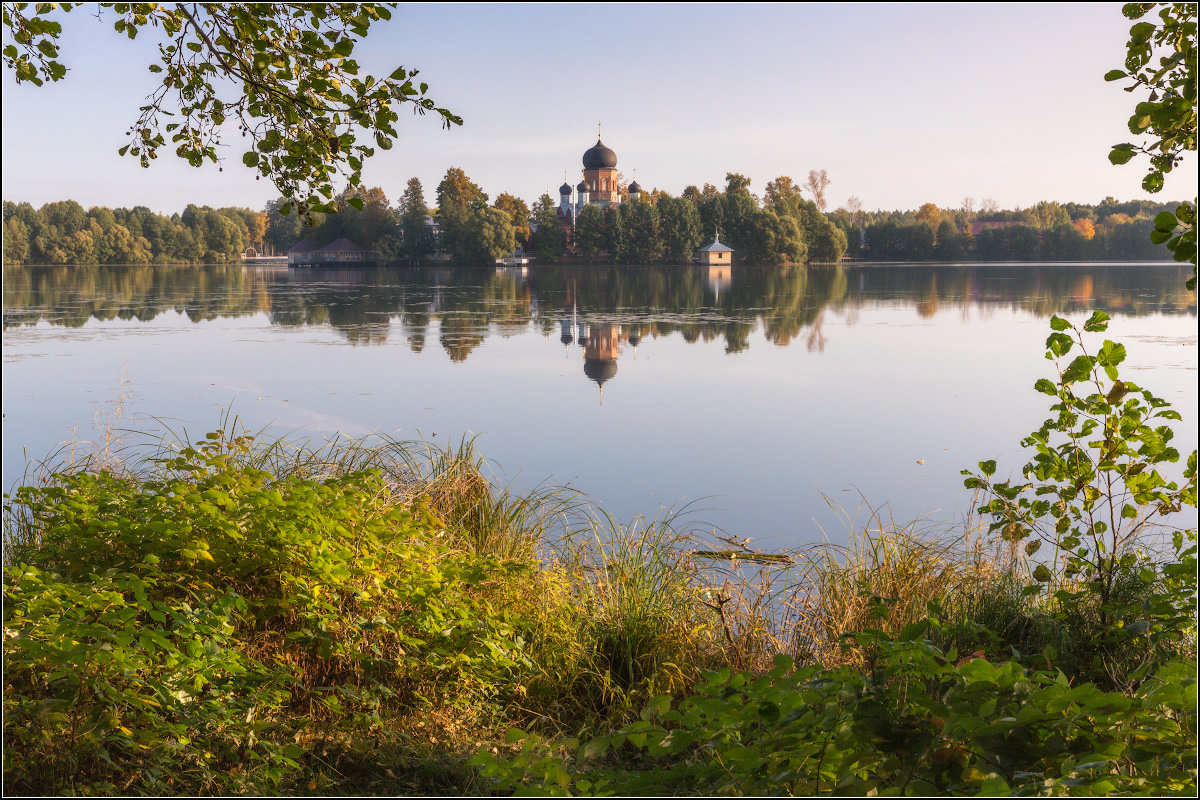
901	104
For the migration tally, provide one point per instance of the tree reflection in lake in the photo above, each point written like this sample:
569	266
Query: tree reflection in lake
763	387
467	306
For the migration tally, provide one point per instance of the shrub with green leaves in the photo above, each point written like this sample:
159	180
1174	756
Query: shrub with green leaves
1094	496
174	633
918	722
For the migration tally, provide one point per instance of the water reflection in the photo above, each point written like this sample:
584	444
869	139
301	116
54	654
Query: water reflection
824	381
598	308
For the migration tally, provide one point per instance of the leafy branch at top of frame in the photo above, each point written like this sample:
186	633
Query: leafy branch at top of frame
1168	114
283	71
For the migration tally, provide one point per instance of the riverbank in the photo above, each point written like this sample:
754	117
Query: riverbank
248	615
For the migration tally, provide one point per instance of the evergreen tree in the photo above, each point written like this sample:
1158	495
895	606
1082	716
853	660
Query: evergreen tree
589	231
645	233
616	233
416	234
679	220
550	240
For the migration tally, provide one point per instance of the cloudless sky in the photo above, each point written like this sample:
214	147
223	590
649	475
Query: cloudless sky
902	104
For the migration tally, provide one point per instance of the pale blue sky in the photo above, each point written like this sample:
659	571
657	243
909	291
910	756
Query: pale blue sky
901	104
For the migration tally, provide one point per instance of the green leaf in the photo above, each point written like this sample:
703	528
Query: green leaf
1121	154
1059	344
1097	322
1110	355
994	786
1114	75
1057	323
1165	221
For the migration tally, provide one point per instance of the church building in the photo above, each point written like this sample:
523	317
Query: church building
600	184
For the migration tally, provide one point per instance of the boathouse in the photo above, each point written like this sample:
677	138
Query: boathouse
339	252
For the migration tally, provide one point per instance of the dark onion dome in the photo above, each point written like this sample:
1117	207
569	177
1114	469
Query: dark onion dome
599	157
582	186
600	369
635	187
565	338
564	189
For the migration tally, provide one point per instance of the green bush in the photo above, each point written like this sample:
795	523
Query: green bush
918	721
177	633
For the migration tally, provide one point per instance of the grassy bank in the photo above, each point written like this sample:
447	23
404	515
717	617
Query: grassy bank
249	615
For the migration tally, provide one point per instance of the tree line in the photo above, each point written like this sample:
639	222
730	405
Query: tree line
781	227
655	228
1046	231
64	233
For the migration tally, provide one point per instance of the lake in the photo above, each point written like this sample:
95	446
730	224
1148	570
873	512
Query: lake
764	398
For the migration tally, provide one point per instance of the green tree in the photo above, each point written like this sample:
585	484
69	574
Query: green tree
826	242
949	246
646	243
679	220
282	71
486	235
518	214
736	182
616	233
782	191
16	241
283	228
416	233
457	197
550	239
1047	215
1168	114
589	231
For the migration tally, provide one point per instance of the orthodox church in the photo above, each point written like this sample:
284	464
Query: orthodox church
599	185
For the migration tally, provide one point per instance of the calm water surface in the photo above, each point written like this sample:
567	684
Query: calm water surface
760	396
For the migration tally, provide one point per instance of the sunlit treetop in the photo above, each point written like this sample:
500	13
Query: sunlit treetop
282	71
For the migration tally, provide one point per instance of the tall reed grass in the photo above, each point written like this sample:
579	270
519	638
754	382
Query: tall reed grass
620	612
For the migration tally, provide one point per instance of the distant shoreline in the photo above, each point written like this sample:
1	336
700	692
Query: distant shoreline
282	261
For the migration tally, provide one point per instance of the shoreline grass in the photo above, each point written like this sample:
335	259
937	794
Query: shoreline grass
353	616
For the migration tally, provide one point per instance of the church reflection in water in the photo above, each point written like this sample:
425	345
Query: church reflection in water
601	343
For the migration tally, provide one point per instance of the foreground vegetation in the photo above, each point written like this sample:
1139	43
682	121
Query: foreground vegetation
238	615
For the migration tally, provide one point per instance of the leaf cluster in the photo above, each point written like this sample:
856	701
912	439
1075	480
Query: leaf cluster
1168	114
1094	488
283	72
